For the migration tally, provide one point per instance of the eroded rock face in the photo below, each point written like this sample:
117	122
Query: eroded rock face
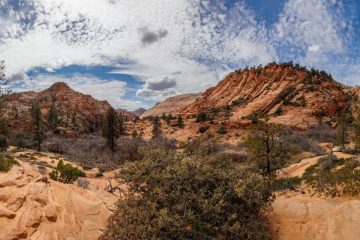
35	207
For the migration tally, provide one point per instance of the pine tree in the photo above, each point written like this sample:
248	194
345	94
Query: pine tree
180	122
37	126
73	119
267	151
111	130
53	117
222	129
156	131
4	134
3	83
344	120
121	125
356	125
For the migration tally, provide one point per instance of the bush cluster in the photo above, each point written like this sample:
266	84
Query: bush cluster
334	177
90	151
6	163
66	173
176	196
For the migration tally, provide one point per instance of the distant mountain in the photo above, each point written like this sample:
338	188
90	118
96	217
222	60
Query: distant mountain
172	105
139	112
75	109
288	94
125	113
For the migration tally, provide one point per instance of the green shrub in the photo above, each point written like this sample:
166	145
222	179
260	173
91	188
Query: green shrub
290	183
334	177
19	140
202	148
172	196
66	173
3	143
222	129
201	117
6	163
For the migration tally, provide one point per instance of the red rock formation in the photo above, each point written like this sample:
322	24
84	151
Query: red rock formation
75	109
290	95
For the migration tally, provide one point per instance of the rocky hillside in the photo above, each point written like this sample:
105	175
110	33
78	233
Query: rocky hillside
75	109
291	95
126	114
356	91
139	112
172	105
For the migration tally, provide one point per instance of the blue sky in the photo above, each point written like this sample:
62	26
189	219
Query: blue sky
135	53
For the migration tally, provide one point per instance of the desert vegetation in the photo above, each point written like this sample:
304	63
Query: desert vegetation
66	173
195	196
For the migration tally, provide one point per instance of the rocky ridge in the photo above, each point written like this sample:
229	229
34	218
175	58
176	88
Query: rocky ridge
291	95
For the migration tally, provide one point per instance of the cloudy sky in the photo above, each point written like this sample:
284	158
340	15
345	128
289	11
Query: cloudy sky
135	53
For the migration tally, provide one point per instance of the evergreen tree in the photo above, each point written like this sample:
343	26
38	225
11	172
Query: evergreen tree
53	116
19	139
111	130
37	126
201	117
4	134
168	119
222	129
73	119
266	150
3	83
344	120
121	125
156	131
356	125
180	122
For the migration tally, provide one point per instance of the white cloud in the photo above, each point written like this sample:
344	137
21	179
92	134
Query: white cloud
313	48
309	27
195	37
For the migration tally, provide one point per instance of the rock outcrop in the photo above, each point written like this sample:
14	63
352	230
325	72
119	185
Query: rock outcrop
32	206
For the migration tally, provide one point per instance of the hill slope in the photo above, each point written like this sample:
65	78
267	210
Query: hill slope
291	95
139	112
80	110
172	105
